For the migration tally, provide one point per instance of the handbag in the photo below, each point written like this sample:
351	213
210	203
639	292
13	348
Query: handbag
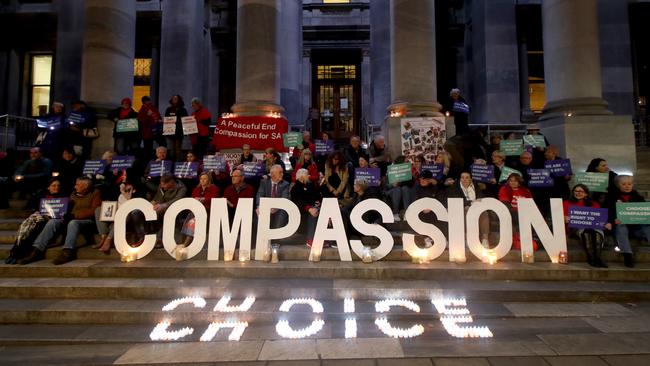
91	133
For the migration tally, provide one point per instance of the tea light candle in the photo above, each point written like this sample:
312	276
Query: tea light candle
314	256
460	259
367	255
529	257
275	248
563	257
244	255
491	257
19	178
180	253
131	255
55	174
227	255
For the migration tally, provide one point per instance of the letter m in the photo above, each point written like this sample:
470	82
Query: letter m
220	226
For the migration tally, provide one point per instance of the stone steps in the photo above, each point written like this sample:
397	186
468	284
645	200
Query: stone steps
383	270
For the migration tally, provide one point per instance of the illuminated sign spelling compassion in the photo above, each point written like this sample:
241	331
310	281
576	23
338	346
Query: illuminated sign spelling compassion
463	228
453	314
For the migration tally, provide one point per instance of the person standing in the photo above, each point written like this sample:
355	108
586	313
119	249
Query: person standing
151	122
460	110
203	119
175	142
126	142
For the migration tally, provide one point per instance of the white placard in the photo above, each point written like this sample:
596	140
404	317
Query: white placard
189	125
108	210
169	126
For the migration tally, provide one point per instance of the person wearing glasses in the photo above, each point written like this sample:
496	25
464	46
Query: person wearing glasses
591	240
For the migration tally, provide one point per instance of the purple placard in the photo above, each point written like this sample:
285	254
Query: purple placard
50	123
76	118
372	176
122	162
252	169
581	217
482	173
438	170
559	167
93	167
214	163
54	207
160	168
186	169
324	147
540	178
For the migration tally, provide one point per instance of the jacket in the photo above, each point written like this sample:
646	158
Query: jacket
206	195
171	195
84	206
233	194
266	189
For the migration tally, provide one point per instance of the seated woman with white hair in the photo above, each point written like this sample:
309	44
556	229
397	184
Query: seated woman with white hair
307	197
625	192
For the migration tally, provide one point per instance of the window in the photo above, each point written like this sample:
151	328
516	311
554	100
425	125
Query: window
337	72
336	1
41	79
141	80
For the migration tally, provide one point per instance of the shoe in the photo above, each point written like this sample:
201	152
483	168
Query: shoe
11	260
66	255
34	256
628	260
397	219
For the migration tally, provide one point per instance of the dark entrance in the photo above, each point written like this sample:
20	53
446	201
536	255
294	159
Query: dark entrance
336	93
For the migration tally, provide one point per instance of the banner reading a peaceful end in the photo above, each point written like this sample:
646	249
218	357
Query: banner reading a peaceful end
260	132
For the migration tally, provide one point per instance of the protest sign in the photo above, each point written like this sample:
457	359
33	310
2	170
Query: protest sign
169	126
582	217
160	168
54	207
186	169
93	167
511	147
540	178
482	173
399	173
559	167
438	170
633	213
505	173
372	176
121	162
189	125
324	147
596	182
127	125
252	169
292	139
422	136
214	163
535	140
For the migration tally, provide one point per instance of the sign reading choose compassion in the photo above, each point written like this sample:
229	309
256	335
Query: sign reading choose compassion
463	226
632	213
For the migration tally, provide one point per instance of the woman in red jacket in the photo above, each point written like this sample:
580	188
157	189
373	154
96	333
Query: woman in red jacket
204	193
510	193
203	119
591	240
306	162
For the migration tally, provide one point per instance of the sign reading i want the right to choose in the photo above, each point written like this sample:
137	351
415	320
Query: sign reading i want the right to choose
633	213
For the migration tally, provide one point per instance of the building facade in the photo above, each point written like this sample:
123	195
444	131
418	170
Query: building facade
342	66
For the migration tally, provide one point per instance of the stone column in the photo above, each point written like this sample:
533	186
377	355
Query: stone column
69	49
380	56
413	66
572	58
527	115
107	67
182	50
576	118
291	61
258	60
495	60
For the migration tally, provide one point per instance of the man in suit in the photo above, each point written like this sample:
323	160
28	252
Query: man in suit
274	187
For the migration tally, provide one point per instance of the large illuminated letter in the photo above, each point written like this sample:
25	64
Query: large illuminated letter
455	311
161	333
329	210
284	329
264	232
412	217
119	225
382	323
530	218
456	218
386	240
505	227
242	226
200	224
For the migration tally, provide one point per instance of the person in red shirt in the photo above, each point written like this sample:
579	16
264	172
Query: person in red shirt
306	162
591	240
510	193
203	193
238	189
151	124
203	119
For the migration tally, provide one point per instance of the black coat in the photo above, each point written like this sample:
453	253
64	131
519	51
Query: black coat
304	195
455	191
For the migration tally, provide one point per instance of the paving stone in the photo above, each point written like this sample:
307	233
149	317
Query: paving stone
587	344
629	360
156	353
63	354
405	362
566	309
298	349
620	324
576	361
293	363
517	361
468	361
467	348
359	348
348	363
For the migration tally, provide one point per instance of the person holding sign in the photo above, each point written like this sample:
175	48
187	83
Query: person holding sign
591	239
33	175
156	169
69	168
52	135
599	165
84	202
32	226
306	162
509	194
126	133
203	120
625	193
246	156
82	127
151	123
176	109
105	228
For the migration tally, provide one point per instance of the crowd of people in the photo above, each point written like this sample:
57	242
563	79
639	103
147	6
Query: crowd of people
54	169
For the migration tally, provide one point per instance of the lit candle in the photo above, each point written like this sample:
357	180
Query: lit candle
55	174
243	255
19	178
563	257
460	259
490	257
275	248
227	255
314	256
367	255
529	257
180	253
130	255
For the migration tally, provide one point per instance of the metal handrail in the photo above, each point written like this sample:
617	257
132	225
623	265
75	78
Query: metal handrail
17	132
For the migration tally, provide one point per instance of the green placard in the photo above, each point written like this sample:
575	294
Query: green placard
512	147
632	213
292	139
535	140
505	173
127	125
596	182
399	173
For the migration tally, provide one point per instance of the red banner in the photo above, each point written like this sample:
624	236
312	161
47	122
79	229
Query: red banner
259	132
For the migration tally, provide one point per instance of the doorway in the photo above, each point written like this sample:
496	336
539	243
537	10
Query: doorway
336	96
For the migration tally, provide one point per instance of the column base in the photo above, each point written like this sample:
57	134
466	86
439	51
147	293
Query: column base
256	108
575	107
415	109
582	138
